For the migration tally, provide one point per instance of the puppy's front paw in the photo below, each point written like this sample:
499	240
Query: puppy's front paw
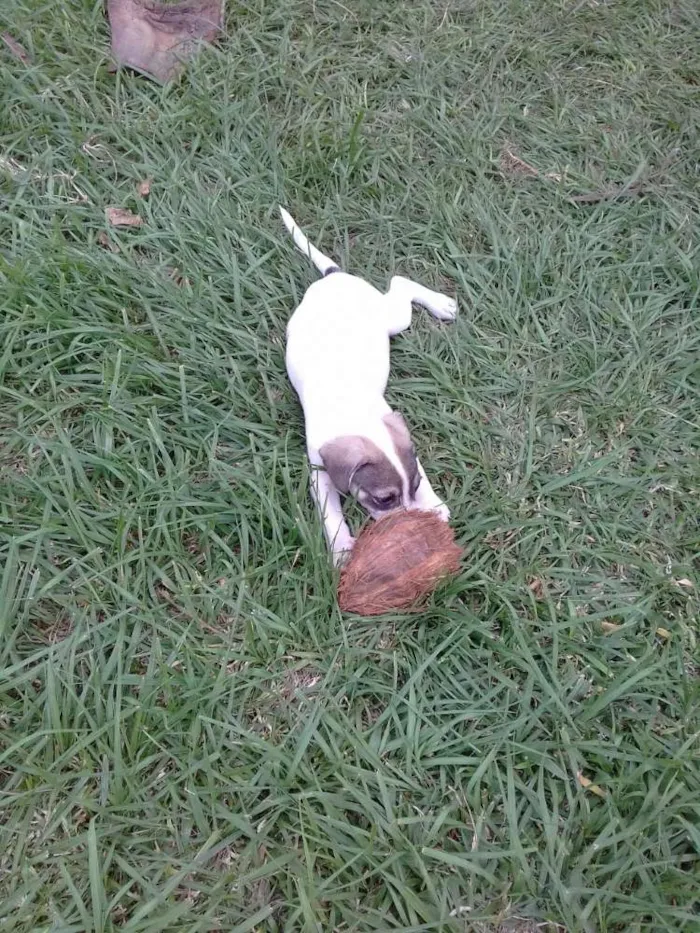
342	550
442	512
444	308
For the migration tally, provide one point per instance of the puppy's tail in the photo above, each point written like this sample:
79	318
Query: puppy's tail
324	264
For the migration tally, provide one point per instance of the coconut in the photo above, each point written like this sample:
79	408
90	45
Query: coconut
397	562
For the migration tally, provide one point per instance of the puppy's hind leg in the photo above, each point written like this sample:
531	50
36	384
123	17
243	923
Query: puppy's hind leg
404	292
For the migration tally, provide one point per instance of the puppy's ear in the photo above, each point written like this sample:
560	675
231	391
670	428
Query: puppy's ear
343	457
403	445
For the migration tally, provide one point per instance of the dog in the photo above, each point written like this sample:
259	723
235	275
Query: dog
337	359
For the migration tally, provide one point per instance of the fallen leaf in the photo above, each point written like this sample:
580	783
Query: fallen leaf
609	627
635	187
105	242
178	278
587	784
17	50
511	164
536	587
80	818
663	632
157	38
144	189
685	582
609	193
121	217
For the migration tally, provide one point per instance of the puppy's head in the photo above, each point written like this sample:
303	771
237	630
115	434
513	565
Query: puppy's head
380	483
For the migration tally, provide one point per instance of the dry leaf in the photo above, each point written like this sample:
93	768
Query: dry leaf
685	582
609	627
105	242
178	278
17	50
663	632
609	193
587	784
634	187
536	587
511	164
144	189
157	38
121	217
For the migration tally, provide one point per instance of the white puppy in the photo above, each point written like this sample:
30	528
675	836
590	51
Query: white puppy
338	362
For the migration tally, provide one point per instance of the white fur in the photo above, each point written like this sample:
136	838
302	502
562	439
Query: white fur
338	362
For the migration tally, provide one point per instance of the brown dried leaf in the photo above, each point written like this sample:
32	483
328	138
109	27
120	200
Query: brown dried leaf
684	581
609	627
157	38
80	817
511	164
609	193
635	187
144	188
17	50
587	784
536	587
178	278
105	242
51	631
121	217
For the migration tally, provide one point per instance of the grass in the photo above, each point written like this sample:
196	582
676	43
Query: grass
192	737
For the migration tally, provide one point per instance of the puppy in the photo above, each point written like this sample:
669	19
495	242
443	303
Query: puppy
338	362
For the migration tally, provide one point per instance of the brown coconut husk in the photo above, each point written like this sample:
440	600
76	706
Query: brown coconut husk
396	562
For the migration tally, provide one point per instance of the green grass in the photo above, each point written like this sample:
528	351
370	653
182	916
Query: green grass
192	736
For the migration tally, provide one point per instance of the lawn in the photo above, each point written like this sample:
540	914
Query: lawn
192	736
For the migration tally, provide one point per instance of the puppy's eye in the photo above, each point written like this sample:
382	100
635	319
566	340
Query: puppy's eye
386	502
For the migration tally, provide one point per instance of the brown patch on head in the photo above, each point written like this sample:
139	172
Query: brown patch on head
405	451
355	464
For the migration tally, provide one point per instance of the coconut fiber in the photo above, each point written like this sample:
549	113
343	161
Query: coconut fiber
396	562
